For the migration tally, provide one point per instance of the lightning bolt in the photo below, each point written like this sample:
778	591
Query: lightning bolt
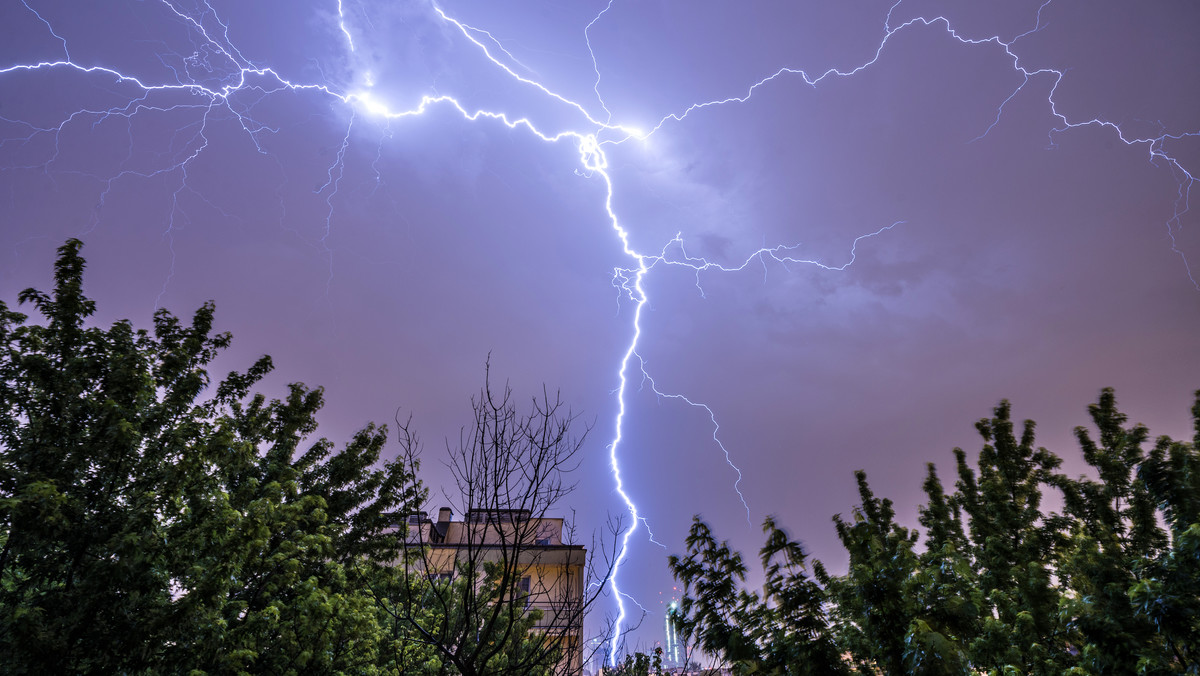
342	25
219	80
332	183
647	378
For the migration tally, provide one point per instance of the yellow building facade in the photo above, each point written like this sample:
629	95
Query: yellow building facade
547	574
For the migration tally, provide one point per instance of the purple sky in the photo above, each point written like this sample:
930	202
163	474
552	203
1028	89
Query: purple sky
1041	252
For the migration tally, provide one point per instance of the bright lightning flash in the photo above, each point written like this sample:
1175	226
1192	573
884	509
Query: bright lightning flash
218	77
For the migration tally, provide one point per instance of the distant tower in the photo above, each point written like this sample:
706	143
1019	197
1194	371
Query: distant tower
671	653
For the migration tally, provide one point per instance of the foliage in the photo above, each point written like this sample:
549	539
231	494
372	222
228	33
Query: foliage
997	585
1115	533
870	601
638	664
421	613
782	631
1013	545
150	522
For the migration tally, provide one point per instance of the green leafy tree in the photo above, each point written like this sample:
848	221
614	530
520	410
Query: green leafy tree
872	608
897	611
638	664
1167	591
1013	546
1115	533
782	631
945	589
146	528
1000	586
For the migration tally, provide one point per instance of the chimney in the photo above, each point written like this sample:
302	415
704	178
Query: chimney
442	527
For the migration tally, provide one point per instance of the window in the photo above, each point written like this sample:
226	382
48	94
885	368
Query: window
524	586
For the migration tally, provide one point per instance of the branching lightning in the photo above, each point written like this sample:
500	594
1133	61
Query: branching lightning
647	378
219	79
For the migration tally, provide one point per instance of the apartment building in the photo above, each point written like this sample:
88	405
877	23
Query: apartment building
548	574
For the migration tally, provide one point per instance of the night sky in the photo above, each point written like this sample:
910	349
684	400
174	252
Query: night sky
974	201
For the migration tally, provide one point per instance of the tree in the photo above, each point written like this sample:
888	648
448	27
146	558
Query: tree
896	611
145	527
944	587
1167	591
783	631
498	595
1114	534
1000	587
871	606
638	664
1013	547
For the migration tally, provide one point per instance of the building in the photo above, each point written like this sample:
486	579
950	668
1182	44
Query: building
529	550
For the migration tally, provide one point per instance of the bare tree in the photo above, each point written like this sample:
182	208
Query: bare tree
504	590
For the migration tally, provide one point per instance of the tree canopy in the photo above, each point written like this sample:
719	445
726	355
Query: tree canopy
998	585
